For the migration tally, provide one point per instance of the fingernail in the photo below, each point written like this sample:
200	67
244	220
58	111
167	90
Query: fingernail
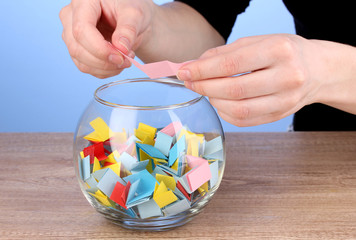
131	54
123	41
184	75
188	84
116	59
126	64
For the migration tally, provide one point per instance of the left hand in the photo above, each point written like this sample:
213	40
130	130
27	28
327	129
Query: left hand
89	26
279	74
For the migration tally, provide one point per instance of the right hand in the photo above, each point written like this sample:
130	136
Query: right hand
90	25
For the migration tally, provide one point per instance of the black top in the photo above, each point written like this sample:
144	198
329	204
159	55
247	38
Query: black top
326	20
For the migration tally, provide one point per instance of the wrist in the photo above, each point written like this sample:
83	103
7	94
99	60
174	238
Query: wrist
337	76
147	37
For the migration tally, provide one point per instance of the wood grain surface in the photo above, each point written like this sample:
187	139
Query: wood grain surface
276	186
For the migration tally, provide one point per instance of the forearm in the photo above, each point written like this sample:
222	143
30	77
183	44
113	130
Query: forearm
178	33
339	87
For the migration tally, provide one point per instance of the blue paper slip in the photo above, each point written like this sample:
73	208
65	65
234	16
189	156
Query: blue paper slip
92	182
99	173
150	151
158	170
176	151
176	207
86	167
181	164
214	149
80	170
149	209
163	143
139	166
145	187
132	190
108	181
127	160
167	169
214	169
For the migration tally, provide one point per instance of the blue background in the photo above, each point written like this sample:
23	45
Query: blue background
42	90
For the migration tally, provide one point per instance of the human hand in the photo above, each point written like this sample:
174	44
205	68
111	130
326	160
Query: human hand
279	74
90	25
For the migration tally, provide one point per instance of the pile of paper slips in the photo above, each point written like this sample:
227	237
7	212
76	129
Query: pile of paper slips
150	172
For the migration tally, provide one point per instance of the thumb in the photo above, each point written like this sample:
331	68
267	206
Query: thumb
127	29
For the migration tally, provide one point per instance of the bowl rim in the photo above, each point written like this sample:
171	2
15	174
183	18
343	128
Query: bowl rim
168	80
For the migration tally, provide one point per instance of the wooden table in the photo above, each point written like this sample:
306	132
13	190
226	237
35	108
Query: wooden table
276	186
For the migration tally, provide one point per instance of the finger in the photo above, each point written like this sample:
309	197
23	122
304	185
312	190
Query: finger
241	42
254	84
254	121
65	16
82	55
250	123
78	52
245	59
86	13
89	64
254	111
127	28
65	12
99	73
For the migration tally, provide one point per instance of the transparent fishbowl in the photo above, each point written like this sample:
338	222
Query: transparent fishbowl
149	154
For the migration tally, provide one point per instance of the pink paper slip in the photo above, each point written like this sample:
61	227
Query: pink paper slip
156	69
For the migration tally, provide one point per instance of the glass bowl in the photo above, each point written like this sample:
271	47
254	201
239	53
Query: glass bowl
149	154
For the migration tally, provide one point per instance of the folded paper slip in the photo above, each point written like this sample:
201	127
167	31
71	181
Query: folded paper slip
156	69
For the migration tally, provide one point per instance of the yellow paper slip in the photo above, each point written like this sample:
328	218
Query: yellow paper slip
119	137
144	131
101	198
112	157
193	147
165	198
115	167
162	196
159	189
101	133
167	180
96	165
